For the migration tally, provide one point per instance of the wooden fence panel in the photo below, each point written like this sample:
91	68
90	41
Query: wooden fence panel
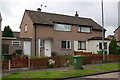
86	60
97	58
19	63
5	64
39	63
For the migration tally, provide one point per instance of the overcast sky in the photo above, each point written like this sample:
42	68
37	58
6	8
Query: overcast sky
12	10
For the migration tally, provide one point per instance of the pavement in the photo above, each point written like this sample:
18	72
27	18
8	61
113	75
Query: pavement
107	75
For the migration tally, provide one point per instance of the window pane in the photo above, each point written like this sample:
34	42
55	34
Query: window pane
85	29
79	45
25	28
15	43
105	45
100	45
68	44
64	44
79	29
41	43
62	27
83	45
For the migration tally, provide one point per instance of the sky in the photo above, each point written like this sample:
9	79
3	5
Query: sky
12	11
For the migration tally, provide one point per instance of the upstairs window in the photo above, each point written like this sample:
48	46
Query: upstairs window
84	29
15	43
66	44
62	27
26	28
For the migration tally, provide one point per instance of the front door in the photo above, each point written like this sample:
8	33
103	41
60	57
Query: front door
47	45
5	49
27	47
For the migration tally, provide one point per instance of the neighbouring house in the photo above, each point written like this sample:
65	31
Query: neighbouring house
117	35
0	32
14	44
57	34
95	44
110	37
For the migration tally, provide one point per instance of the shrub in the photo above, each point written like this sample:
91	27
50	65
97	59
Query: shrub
113	47
101	52
51	63
70	58
118	50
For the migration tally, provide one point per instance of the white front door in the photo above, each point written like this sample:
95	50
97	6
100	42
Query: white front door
27	47
47	45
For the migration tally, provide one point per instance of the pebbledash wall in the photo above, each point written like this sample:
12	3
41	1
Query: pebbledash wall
93	46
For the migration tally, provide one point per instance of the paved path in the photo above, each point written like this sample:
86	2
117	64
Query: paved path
108	75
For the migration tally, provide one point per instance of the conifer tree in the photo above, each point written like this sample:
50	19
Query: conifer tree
113	47
7	32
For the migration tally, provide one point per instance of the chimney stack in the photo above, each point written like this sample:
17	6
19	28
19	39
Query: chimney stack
39	9
76	14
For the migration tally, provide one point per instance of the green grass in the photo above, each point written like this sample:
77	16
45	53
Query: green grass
63	73
50	74
107	67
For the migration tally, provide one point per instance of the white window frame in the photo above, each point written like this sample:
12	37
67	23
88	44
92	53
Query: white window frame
58	27
14	44
80	29
81	45
26	28
66	44
103	45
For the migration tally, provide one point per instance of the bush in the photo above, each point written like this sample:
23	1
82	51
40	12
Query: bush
113	47
118	50
70	58
101	52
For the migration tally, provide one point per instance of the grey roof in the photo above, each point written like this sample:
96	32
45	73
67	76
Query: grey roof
51	18
97	38
0	16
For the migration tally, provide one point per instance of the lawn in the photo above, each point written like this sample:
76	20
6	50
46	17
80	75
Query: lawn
63	73
51	73
107	67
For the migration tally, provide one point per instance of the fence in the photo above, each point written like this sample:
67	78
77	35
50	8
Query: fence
18	63
42	63
5	64
90	58
35	63
39	63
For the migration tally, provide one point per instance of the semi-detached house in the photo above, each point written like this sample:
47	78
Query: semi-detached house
117	35
57	34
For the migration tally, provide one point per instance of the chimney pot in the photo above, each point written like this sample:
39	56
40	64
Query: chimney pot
77	15
39	9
